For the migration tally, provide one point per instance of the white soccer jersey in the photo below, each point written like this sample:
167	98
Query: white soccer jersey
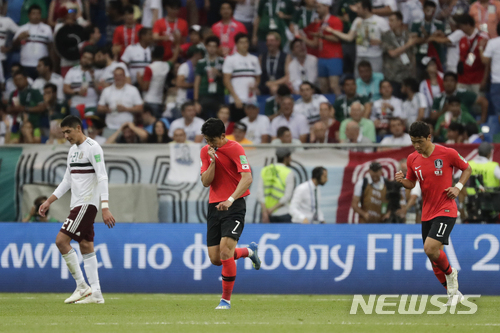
37	44
108	73
76	78
6	26
137	59
243	70
310	110
85	175
56	79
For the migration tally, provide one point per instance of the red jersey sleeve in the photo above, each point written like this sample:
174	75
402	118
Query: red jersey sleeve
410	173
457	160
148	73
337	24
205	159
215	29
159	26
240	159
117	34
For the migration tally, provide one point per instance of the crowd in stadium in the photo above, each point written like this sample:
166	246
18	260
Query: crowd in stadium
275	71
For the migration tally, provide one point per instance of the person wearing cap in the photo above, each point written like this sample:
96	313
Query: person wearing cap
171	29
227	28
194	40
306	198
127	34
370	196
186	75
275	188
239	133
343	103
258	126
484	166
453	115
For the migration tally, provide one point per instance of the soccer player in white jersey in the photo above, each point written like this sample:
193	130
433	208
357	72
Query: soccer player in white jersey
86	177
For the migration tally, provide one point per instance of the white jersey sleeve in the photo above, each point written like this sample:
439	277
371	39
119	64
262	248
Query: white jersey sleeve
64	186
97	161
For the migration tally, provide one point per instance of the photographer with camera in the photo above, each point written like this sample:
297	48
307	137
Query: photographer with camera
33	215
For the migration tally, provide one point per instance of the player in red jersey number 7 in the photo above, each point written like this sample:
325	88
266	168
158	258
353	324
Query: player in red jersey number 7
224	167
432	166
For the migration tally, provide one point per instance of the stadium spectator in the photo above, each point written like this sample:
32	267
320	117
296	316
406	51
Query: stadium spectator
127	34
319	133
227	28
399	58
397	136
368	83
186	75
25	134
5	123
303	66
275	188
415	106
224	114
241	76
138	56
195	39
58	10
34	216
152	11
56	136
56	108
9	84
152	82
367	29
189	123
471	134
454	134
79	85
160	133
7	26
453	115
149	118
302	24
326	116
170	30
273	63
35	39
284	136
306	199
273	103
451	8
208	83
308	104
370	196
239	134
353	134
114	13
486	14
343	102
179	136
95	129
258	126
26	10
491	58
244	12
94	36
386	107
367	126
432	85
128	133
46	75
413	11
297	123
106	65
120	102
384	8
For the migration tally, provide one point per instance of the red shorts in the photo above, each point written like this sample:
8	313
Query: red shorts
80	223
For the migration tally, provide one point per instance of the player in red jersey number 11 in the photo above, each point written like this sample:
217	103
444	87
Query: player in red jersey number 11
431	167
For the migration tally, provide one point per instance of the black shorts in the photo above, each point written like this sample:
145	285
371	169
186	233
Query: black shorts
80	223
229	223
439	228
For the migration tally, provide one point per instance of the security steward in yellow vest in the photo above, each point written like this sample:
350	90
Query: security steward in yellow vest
276	188
481	165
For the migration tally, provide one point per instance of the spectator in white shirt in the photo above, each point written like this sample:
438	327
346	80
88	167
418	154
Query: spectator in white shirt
138	56
385	108
308	104
46	75
7	25
303	67
297	123
285	137
306	199
186	75
258	126
397	136
189	123
152	10
120	102
491	58
415	107
105	68
35	39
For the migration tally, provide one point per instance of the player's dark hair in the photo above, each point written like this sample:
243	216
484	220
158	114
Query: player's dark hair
430	3
398	15
456	127
213	128
365	64
185	105
47	62
212	39
239	36
158	52
317	173
143	32
282	130
366	4
128	10
419	129
283	90
412	84
450	74
71	121
34	7
50	86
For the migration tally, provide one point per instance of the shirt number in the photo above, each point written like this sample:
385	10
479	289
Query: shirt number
421	178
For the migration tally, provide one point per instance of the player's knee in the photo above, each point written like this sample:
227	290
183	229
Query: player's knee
226	254
215	260
62	244
431	252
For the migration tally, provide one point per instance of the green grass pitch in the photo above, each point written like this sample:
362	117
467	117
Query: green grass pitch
250	313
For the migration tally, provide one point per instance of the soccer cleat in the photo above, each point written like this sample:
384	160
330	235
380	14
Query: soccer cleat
255	256
80	293
223	305
452	281
96	298
455	299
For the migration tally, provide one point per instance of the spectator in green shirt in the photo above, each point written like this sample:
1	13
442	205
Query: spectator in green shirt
343	102
56	109
453	115
208	83
273	103
33	215
367	127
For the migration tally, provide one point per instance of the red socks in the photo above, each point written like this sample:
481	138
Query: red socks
440	275
240	253
228	277
443	263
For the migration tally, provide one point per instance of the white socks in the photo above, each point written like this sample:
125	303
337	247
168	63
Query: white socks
250	252
74	267
90	265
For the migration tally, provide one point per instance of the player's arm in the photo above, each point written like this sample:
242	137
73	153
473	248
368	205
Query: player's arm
407	183
243	186
97	161
207	176
453	192
63	187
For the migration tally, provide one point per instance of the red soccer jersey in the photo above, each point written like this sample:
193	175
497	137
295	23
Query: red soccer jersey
472	74
230	161
126	36
226	34
327	49
163	29
435	175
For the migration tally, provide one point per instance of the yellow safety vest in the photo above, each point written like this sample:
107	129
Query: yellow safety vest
274	179
487	170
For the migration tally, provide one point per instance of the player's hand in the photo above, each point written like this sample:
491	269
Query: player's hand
45	207
211	153
400	176
108	218
452	192
224	205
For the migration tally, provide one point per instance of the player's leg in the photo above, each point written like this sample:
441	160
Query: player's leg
227	247
213	234
91	270
214	255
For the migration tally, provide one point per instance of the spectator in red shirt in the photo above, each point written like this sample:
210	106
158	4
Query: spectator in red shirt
227	28
170	29
127	34
330	56
471	70
194	39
